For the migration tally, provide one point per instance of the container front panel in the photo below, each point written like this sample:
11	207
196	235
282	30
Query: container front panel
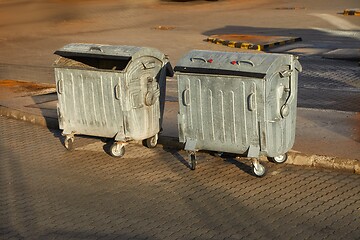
144	83
88	103
219	112
280	128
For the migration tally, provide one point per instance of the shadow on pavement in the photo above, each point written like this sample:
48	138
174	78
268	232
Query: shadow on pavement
238	161
16	191
46	103
317	37
175	153
324	83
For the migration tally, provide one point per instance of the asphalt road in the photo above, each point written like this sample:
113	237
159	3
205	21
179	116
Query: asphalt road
31	31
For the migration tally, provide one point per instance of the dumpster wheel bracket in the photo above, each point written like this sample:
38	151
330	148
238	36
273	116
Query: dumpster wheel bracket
151	142
117	149
69	141
258	169
279	159
192	160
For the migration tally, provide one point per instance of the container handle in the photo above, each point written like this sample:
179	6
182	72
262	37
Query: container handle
246	61
286	73
186	97
290	74
252	102
198	58
96	48
117	91
60	87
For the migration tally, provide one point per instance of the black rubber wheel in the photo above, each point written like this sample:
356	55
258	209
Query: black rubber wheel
279	159
116	150
260	171
151	142
218	154
192	163
69	144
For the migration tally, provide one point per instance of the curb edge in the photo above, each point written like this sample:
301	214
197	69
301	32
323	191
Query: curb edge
294	157
50	123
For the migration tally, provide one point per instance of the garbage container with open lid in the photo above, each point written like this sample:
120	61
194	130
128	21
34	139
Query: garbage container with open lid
111	91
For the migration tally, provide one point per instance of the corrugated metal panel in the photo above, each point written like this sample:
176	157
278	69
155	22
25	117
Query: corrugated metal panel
100	100
236	112
215	116
97	50
228	63
88	103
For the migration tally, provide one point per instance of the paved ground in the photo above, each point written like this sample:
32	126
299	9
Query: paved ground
32	30
49	193
151	194
329	84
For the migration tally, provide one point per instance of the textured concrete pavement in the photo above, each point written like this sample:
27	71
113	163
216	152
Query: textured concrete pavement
151	194
49	193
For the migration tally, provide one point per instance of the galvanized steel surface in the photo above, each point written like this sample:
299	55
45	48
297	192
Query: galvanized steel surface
100	100
231	63
238	112
103	50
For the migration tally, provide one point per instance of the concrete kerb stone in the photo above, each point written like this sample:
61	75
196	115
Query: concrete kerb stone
350	165
335	163
28	117
323	161
297	158
294	157
357	168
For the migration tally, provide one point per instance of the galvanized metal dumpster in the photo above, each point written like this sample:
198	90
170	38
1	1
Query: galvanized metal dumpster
240	103
111	91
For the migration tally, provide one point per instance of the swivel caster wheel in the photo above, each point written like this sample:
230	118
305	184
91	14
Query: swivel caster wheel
69	143
279	159
117	150
192	162
258	169
151	142
218	154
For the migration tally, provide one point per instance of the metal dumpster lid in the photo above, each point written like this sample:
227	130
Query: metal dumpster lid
256	65
106	51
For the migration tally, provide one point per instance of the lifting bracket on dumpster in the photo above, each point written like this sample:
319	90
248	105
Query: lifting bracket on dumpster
190	145
254	151
120	136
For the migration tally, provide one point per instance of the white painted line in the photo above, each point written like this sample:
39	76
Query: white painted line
338	22
340	33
